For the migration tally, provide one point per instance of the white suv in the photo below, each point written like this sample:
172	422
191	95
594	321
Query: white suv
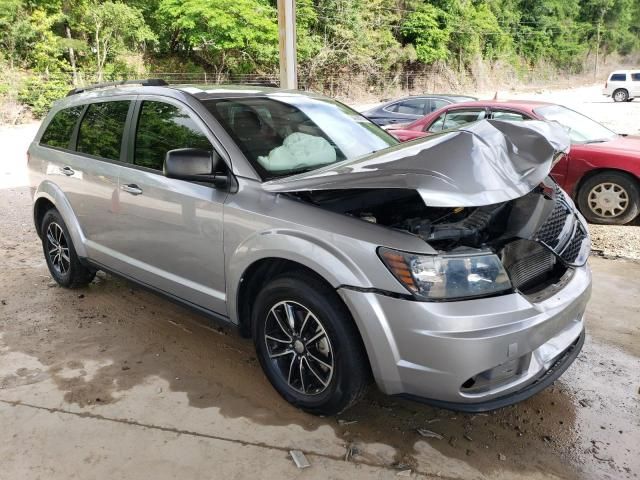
623	85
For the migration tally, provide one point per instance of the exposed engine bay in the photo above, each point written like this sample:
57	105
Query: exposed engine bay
537	236
443	228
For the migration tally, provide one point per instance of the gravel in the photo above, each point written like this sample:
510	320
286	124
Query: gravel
615	241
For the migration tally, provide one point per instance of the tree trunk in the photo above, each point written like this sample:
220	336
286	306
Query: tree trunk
72	56
98	59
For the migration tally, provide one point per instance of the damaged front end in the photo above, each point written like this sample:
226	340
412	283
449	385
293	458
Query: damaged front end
481	197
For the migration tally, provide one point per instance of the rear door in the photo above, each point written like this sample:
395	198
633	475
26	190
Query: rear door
87	169
407	110
171	230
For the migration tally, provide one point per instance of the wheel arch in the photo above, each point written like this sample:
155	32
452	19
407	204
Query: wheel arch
256	275
623	89
597	171
266	254
49	195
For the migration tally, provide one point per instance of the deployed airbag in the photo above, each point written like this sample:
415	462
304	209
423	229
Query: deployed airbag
299	150
487	162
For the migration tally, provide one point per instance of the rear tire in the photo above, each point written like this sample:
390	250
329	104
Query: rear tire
620	95
63	261
610	198
324	376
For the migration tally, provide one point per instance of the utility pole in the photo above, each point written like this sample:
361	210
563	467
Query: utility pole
287	37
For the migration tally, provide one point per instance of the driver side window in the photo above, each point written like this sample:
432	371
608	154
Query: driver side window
163	127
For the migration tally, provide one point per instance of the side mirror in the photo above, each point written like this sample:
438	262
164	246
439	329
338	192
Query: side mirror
195	165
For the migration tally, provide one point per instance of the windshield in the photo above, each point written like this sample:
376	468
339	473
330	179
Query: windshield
581	129
286	134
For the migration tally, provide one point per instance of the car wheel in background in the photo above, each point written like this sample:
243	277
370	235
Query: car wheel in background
308	345
60	254
609	198
620	95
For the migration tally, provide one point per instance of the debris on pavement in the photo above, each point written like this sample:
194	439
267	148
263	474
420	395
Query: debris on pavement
429	434
502	457
344	423
299	459
352	451
404	473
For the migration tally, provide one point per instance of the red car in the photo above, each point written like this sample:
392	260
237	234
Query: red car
601	172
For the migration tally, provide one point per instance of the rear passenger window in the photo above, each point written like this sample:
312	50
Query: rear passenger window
410	107
618	77
635	77
163	127
59	131
101	129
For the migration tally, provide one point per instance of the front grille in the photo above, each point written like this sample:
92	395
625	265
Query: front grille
550	231
563	232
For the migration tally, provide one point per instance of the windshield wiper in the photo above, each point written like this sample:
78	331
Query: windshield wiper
598	140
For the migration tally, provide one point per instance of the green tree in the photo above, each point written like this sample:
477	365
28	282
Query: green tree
238	36
115	28
427	30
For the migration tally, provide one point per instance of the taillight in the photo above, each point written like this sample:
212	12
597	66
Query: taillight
606	84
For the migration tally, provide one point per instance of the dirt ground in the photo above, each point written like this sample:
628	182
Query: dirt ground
112	380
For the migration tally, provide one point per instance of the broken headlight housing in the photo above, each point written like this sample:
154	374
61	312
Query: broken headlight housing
451	276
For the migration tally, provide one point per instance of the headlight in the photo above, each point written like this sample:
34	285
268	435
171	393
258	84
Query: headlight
447	277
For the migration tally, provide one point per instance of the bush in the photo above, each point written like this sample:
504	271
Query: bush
39	93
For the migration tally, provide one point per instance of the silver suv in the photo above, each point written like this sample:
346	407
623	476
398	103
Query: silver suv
451	269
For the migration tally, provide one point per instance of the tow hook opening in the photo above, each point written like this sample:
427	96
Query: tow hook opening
497	376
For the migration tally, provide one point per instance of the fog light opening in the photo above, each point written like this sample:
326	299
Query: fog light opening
469	383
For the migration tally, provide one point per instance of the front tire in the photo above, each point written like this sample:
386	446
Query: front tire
308	345
610	198
620	95
63	261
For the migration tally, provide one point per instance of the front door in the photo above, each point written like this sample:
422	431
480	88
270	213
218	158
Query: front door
172	230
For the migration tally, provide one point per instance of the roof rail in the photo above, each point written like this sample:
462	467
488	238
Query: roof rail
148	82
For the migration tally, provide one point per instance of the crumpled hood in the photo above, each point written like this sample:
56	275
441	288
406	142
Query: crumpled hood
486	162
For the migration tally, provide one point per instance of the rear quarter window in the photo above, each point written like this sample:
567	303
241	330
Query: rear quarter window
635	77
618	77
60	128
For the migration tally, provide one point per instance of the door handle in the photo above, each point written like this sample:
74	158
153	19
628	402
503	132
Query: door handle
132	188
66	170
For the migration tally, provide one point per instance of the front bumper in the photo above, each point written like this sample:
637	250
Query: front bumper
471	355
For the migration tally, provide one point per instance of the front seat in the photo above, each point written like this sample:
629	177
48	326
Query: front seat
258	138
